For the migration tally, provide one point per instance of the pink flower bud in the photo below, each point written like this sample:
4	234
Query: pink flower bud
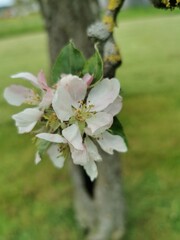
88	79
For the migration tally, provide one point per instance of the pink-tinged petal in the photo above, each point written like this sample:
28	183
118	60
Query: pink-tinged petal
92	150
91	170
56	156
17	95
103	94
79	157
42	81
27	119
88	79
55	138
76	88
99	122
115	107
73	136
47	99
109	142
62	104
27	76
37	158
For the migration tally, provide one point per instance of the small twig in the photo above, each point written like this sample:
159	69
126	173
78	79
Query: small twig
102	32
166	4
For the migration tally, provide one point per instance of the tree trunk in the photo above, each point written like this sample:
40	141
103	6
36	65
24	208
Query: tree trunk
67	19
99	205
137	3
101	212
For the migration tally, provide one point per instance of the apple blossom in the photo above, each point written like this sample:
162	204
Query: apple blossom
85	116
74	117
17	95
55	150
95	111
85	157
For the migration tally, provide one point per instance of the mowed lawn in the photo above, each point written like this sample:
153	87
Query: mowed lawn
36	202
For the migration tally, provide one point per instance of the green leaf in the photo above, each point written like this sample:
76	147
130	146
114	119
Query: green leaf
94	66
42	145
69	61
117	129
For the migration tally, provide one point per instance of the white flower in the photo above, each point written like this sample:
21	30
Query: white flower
71	136
17	94
54	154
54	151
80	116
97	111
88	115
86	156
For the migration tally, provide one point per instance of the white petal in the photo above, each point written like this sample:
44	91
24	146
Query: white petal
79	157
62	104
99	122
73	136
91	170
115	107
27	119
27	76
16	95
56	157
76	88
55	138
92	150
37	158
109	142
103	94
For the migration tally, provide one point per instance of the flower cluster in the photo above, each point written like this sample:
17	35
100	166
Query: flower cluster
72	118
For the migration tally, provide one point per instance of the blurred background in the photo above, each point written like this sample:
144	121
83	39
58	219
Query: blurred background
36	202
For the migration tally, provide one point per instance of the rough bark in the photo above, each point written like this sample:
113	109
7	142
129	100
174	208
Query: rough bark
99	206
103	214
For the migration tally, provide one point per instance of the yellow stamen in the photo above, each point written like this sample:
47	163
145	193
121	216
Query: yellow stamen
83	112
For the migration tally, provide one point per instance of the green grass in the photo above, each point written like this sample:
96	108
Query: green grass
20	25
36	201
146	12
34	23
150	83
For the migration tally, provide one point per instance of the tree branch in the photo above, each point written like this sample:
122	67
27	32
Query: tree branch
102	32
166	4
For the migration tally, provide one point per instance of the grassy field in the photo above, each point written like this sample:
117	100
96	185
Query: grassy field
36	201
20	25
33	23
